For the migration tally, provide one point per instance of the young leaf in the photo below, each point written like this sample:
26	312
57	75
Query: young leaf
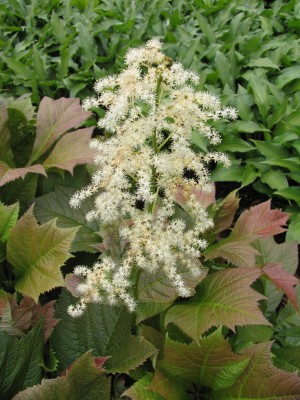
282	280
8	219
54	118
261	221
103	328
20	361
210	363
223	298
72	149
8	174
261	380
82	381
225	213
36	253
56	205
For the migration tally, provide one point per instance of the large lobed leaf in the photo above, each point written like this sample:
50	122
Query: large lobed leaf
84	380
210	363
36	253
20	361
8	219
223	298
103	328
261	380
56	205
140	390
8	174
54	118
260	221
72	149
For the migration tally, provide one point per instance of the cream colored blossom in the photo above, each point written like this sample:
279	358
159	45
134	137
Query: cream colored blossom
152	112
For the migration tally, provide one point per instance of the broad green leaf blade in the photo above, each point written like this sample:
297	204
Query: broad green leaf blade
103	328
287	358
56	205
8	219
20	361
223	298
291	193
36	253
8	174
211	363
261	380
72	149
54	118
288	75
82	381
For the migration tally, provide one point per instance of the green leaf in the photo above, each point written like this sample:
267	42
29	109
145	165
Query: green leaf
210	363
170	388
275	178
231	143
58	28
261	380
248	127
82	381
56	205
223	298
288	75
54	118
20	361
263	63
140	391
260	93
291	193
8	219
18	68
271	150
287	358
36	253
103	328
293	232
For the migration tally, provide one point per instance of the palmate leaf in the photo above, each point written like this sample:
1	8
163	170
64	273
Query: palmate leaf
210	363
71	150
223	298
56	205
84	380
287	359
156	293
237	251
261	221
36	253
261	380
20	361
54	118
8	174
103	328
170	388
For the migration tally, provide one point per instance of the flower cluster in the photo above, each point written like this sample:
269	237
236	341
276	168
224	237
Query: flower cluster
152	111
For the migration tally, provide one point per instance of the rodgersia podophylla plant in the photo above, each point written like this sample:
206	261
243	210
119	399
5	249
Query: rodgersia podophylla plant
152	109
